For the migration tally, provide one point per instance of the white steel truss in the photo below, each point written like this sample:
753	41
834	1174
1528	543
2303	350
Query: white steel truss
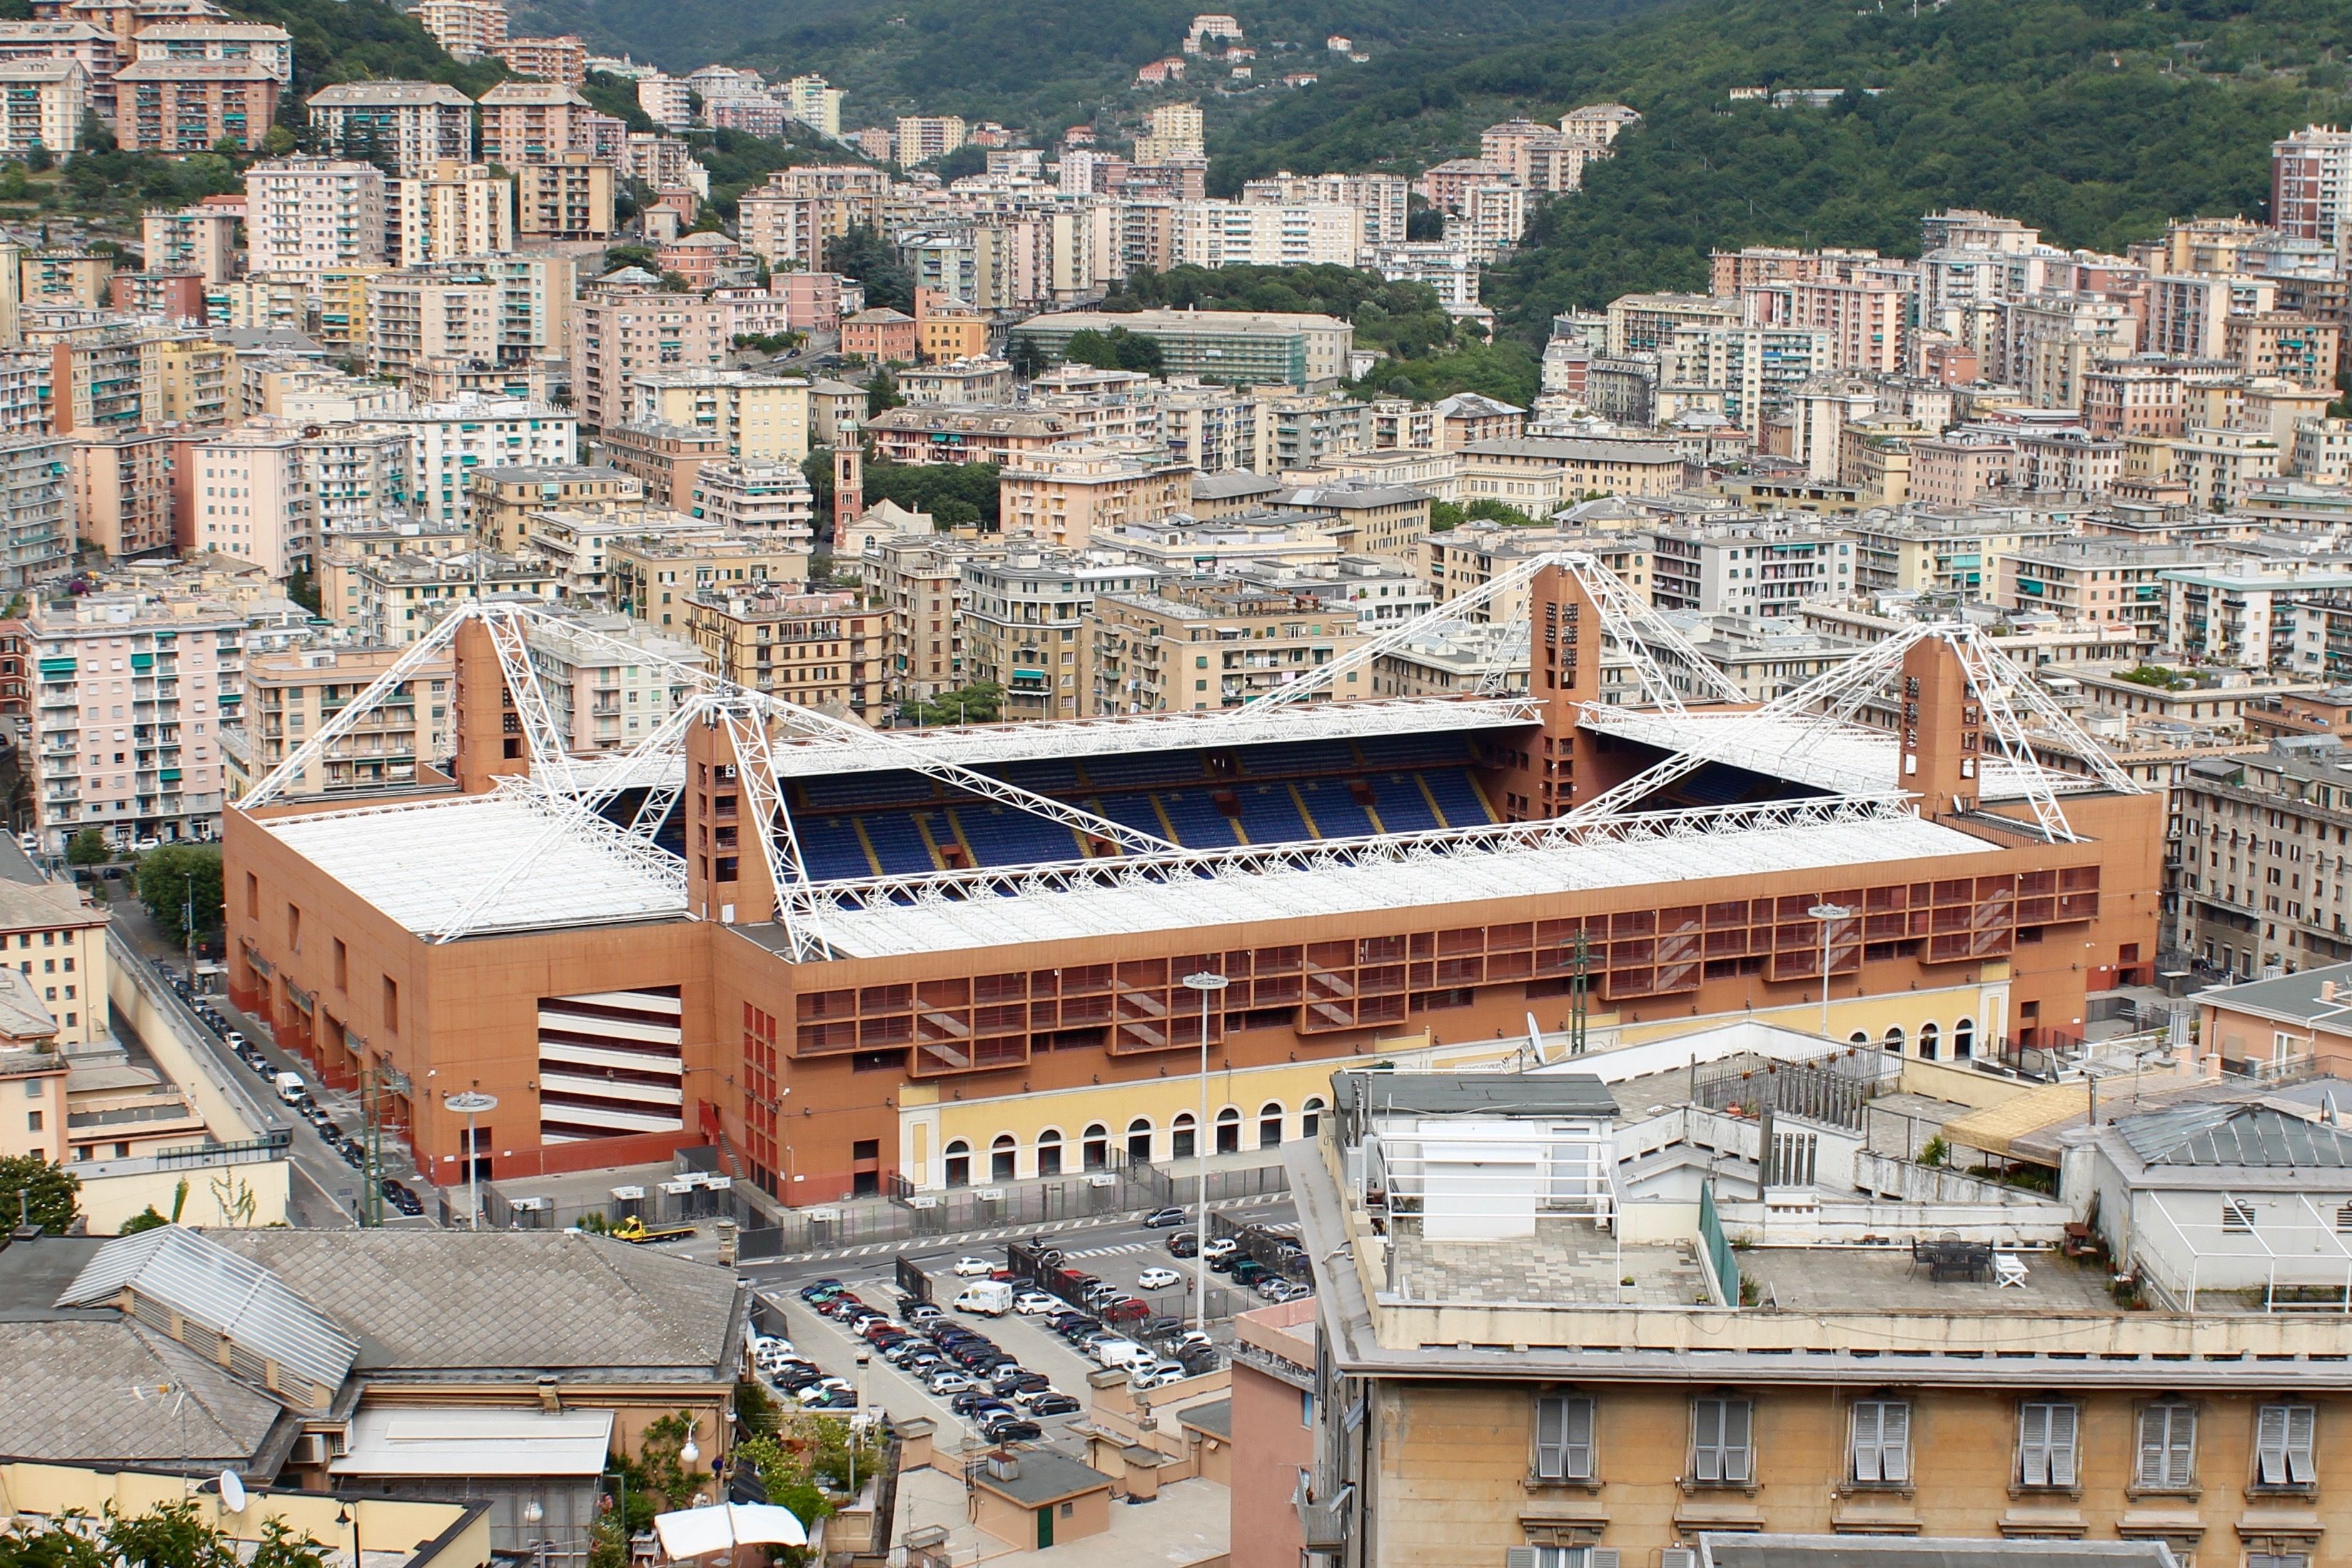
1431	848
765	814
1814	725
550	758
1647	641
419	652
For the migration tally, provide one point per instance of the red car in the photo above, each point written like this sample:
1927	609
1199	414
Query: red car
1126	1310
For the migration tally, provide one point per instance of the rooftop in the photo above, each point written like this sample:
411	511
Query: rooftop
1866	1278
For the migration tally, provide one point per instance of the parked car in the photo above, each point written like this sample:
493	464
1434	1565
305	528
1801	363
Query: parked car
1021	1381
1281	1290
1127	1310
947	1380
973	1268
1184	1244
819	1290
1012	1430
1158	1278
1160	1218
920	1314
972	1400
1247	1271
1222	1246
1053	1402
1033	1304
235	1041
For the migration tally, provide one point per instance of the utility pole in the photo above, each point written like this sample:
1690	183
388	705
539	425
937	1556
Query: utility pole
1580	986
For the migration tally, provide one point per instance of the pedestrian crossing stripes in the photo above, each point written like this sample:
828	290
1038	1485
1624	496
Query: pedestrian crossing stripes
1109	1251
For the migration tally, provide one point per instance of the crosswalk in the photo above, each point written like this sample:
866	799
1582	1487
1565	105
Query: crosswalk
1108	1252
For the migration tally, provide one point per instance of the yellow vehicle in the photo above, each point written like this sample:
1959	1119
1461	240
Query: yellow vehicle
636	1230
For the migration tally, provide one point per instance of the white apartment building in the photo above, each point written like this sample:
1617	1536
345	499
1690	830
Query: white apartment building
1751	567
419	123
752	497
446	442
307	215
130	695
666	101
1383	200
41	105
601	700
35	509
1265	234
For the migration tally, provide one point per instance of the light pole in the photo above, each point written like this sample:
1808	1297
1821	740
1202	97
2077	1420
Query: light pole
1828	914
188	929
473	1103
1208	984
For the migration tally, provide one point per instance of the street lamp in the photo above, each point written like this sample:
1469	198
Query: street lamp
1208	984
689	1452
1828	914
349	1514
472	1102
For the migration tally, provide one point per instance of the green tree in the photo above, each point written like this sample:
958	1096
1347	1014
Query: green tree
864	255
174	1535
146	1218
169	878
882	391
89	847
980	702
1116	349
37	1192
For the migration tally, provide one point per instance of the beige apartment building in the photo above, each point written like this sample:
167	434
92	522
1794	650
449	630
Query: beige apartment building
452	209
506	498
1539	475
201	239
566	199
290	696
920	578
1073	492
1209	643
533	122
1023	612
822	651
760	417
420	125
54	937
652	576
121	481
610	680
621	329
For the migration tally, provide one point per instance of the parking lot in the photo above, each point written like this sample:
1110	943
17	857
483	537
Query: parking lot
828	1344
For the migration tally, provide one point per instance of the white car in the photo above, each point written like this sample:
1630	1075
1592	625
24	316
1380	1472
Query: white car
824	1389
143	845
29	842
1035	1303
973	1268
769	1352
1158	1278
1223	1246
1157	1375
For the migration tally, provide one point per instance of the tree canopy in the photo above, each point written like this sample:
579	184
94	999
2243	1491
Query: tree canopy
39	1192
170	878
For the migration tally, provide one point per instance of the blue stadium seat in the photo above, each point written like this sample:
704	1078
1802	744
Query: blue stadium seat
1336	814
1386	752
830	849
1133	811
1269	816
898	843
894	789
1195	815
1140	770
1402	807
1050	777
1457	798
1298	759
1006	836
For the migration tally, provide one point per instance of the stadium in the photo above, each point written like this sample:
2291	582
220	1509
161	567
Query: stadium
865	961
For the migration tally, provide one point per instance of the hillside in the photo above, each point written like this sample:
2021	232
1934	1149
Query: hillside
359	40
2094	118
1041	63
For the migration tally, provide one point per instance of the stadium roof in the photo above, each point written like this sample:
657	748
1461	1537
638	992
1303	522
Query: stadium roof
1843	758
1470	874
423	863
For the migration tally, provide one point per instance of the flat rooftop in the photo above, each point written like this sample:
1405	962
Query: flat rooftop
1884	1278
1564	1264
1474	873
423	863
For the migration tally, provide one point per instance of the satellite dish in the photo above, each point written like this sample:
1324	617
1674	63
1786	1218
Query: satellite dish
232	1492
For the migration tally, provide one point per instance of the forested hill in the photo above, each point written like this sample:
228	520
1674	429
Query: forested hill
2094	118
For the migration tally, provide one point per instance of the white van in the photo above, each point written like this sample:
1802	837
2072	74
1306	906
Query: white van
1122	1352
290	1088
993	1297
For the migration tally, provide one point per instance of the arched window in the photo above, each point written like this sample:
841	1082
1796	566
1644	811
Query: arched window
958	1163
1894	1038
1930	1040
1310	1116
1229	1130
1139	1141
1269	1126
1964	1039
1181	1139
1049	1152
1094	1146
1859	1037
1003	1157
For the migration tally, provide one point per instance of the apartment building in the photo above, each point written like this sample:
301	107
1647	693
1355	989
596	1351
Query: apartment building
757	496
469	29
1540	474
1195	644
945	434
42	103
390	601
178	107
121	488
306	215
505	499
564	199
823	651
36	516
787	220
2245	614
563	58
919	138
1384	200
1923	550
198	239
666	101
131	695
1263	233
54	939
758	417
1249	348
621	328
2102	580
534	122
651	576
2311	184
292	696
415	126
918	578
1073	492
1024	613
446	211
600	698
1752	566
447	443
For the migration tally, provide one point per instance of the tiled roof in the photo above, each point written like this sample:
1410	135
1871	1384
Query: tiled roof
448	1300
114	1392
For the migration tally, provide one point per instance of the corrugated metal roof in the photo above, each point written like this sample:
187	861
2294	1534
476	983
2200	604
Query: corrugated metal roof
233	1296
2234	1135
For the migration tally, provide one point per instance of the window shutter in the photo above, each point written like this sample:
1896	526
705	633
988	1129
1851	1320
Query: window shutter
1866	1440
2180	1431
2151	1446
1678	1557
2300	1421
2062	1419
1552	1422
2033	1445
1576	1449
2270	1444
1708	1448
1518	1557
1735	1439
1600	1557
1895	1440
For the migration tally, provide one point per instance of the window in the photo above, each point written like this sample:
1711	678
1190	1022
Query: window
342	967
1181	1139
1269	1126
2278	1559
1882	1441
2046	1443
294	927
2167	1447
1310	1117
1719	1429
391	1003
1139	1141
2282	1445
1307	1406
1964	1039
1563	1437
1229	1131
1049	1152
1094	1146
958	1163
32	1121
1930	1039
